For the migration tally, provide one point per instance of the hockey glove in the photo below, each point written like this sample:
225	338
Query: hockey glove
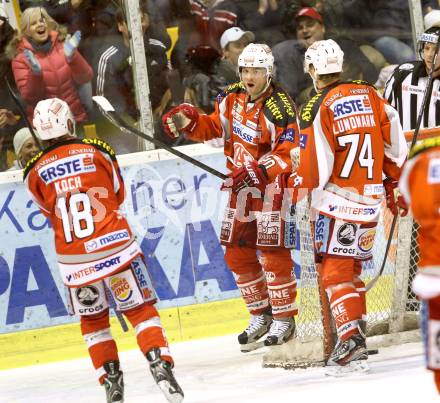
70	45
34	63
278	188
249	175
183	118
394	203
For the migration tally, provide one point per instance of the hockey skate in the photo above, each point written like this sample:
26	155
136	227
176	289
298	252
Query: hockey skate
113	382
164	377
280	331
348	357
258	326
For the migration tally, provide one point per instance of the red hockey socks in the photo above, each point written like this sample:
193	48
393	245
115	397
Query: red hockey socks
346	306
149	331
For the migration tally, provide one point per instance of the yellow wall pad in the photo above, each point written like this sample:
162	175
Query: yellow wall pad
59	343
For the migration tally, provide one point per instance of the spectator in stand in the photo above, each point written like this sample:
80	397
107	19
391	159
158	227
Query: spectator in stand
382	23
96	19
25	148
114	78
390	21
337	14
213	17
204	84
289	56
59	10
209	19
9	124
232	42
46	62
265	19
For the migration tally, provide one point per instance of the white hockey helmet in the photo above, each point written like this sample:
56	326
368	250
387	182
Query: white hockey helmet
326	57
257	55
53	118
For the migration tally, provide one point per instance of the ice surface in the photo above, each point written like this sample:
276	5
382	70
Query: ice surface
214	370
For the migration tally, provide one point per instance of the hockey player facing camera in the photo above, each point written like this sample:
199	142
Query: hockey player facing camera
257	121
78	186
349	138
420	185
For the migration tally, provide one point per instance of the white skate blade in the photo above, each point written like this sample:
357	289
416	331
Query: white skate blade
171	397
353	368
247	348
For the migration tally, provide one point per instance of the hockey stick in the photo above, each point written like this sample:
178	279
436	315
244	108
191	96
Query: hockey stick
113	116
433	39
17	102
112	304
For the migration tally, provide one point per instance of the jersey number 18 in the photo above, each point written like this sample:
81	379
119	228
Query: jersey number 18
71	216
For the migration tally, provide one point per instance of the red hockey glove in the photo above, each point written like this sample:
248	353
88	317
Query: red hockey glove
249	175
280	185
394	203
180	118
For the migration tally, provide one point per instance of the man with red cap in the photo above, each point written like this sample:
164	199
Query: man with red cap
289	56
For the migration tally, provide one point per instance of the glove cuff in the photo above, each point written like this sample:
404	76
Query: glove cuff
263	170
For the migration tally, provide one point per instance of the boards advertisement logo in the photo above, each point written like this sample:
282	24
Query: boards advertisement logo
120	288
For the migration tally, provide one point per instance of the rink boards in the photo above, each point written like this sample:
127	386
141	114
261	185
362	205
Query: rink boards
175	210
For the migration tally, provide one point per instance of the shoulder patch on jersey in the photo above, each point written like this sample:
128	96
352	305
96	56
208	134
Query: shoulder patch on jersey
406	66
101	145
279	107
424	145
309	111
233	88
359	82
31	163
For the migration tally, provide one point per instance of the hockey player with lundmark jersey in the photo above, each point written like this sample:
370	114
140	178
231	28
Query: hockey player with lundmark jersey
349	137
257	121
78	186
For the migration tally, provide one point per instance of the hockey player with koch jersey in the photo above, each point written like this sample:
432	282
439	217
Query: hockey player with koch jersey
77	184
349	136
257	121
420	185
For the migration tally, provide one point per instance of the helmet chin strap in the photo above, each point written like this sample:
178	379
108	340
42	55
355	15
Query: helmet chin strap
315	86
268	81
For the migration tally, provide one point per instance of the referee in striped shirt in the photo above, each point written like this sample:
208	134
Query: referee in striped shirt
406	87
405	91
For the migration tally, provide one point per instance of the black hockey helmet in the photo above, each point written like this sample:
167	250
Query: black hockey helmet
431	35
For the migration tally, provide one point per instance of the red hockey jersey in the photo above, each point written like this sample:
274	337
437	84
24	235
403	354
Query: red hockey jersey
265	130
420	185
349	137
77	184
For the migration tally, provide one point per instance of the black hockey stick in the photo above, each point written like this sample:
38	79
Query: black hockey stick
17	102
429	38
113	116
